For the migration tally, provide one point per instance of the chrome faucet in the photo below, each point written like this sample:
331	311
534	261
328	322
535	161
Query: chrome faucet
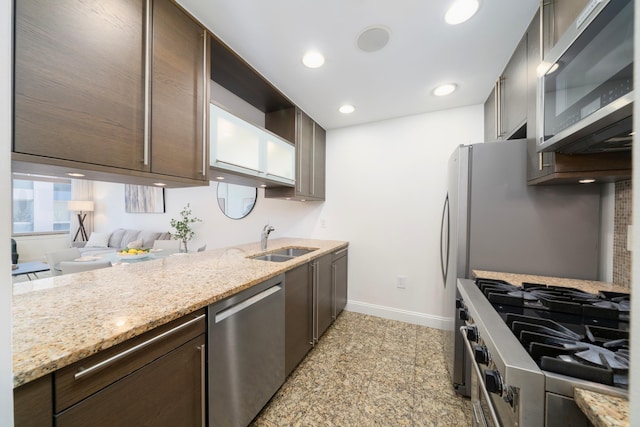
265	236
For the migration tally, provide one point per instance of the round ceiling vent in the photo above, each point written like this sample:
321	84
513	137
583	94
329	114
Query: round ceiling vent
373	38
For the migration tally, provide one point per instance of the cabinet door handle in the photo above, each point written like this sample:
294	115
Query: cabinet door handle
204	104
203	384
313	160
340	252
110	361
147	81
298	150
333	291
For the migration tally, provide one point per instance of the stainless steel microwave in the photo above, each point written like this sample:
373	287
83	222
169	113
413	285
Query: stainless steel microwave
585	96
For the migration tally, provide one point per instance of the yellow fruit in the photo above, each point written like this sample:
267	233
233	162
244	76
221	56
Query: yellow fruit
133	251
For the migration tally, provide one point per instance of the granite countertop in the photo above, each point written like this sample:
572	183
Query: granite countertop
601	409
60	320
591	286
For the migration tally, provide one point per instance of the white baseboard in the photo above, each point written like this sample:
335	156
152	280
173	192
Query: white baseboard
407	316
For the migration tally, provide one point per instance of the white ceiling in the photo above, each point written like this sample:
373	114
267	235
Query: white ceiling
396	81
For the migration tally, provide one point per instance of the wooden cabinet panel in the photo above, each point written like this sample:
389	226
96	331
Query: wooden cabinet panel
33	404
513	89
79	90
339	268
558	15
166	392
180	94
318	185
298	316
490	117
69	391
324	295
310	144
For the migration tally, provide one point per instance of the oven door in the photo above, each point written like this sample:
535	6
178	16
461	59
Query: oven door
588	89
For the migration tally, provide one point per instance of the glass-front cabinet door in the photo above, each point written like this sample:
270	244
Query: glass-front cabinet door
241	147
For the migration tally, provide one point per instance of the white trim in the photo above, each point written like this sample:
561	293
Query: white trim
401	315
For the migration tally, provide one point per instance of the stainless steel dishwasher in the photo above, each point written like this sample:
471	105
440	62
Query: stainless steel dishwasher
246	353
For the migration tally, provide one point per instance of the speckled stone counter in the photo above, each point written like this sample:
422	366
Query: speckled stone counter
585	285
601	409
60	320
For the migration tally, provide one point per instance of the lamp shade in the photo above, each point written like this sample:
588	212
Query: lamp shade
80	205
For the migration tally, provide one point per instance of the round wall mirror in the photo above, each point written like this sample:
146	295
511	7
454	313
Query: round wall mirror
236	201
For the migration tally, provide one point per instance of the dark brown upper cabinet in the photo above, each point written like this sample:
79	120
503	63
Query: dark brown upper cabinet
309	139
116	90
506	107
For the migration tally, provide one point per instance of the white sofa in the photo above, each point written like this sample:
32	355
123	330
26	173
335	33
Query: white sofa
101	243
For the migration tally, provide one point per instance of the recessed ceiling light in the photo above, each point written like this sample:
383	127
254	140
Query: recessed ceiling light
313	59
587	181
347	109
372	39
75	174
460	11
445	89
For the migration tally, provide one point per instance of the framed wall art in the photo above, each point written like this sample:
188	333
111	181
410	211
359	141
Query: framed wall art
143	199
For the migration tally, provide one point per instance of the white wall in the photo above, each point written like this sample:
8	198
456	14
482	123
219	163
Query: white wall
386	186
6	376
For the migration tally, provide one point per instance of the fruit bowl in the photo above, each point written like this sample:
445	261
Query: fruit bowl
139	254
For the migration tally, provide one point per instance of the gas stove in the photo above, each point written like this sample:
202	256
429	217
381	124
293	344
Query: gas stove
566	330
530	345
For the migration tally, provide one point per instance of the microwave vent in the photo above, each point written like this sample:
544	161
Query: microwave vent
615	137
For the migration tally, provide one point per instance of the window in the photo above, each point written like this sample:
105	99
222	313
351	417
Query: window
40	204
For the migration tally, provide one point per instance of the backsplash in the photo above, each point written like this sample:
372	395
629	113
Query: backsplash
622	219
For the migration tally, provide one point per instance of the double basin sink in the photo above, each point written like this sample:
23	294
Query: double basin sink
282	255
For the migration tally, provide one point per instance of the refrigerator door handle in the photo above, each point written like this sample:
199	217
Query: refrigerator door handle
445	244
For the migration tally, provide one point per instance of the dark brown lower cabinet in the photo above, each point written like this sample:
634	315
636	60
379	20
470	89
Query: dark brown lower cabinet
33	404
339	270
156	379
321	268
298	303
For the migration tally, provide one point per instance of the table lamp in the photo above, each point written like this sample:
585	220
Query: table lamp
82	207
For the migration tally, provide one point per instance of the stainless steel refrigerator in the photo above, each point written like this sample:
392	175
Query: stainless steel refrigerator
493	221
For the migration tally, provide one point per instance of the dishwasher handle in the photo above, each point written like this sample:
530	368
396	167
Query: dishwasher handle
246	303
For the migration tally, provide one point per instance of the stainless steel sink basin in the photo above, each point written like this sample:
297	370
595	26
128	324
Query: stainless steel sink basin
272	257
282	255
293	252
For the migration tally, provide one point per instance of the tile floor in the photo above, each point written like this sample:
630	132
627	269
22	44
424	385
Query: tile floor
368	371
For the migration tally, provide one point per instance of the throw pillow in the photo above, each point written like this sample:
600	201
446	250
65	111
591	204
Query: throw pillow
98	240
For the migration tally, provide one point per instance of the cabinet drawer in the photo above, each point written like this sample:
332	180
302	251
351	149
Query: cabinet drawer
166	392
110	365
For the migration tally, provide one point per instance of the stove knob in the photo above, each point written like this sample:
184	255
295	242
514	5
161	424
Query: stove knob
481	354
459	303
472	333
492	381
463	314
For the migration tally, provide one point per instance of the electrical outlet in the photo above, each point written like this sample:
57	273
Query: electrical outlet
401	282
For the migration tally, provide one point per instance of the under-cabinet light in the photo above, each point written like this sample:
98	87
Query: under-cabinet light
159	184
75	174
587	181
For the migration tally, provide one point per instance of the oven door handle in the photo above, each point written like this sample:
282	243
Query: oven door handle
483	388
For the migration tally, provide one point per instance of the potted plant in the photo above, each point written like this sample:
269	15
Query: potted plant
183	231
